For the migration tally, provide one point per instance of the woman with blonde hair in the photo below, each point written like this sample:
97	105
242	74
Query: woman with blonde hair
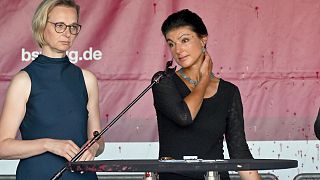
53	102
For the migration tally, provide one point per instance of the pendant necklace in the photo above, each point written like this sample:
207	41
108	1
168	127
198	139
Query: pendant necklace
191	81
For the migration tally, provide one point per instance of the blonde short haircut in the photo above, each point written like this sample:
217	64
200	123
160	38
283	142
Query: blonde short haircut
40	17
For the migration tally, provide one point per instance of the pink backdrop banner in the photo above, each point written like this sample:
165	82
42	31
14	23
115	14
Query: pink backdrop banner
270	49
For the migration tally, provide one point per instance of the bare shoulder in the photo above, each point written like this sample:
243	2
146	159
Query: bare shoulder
20	86
90	81
88	75
21	79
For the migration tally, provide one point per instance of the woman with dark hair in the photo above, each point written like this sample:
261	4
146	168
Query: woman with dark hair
53	102
195	109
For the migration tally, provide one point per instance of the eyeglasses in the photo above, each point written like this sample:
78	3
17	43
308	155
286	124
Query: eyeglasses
61	27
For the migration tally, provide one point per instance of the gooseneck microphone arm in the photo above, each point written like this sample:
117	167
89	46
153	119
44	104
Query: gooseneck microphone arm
97	135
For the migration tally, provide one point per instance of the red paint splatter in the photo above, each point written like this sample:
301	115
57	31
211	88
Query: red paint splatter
307	138
119	148
257	11
154	8
107	116
148	174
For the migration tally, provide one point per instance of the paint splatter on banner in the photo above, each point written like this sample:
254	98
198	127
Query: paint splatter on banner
270	49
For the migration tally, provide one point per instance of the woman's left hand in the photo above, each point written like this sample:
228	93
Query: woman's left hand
90	154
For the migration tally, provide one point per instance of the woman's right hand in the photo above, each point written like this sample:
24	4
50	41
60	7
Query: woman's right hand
65	148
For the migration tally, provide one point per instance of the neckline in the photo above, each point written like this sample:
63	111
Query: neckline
218	89
49	60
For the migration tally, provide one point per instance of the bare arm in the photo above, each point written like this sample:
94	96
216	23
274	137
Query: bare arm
195	98
14	109
10	120
94	114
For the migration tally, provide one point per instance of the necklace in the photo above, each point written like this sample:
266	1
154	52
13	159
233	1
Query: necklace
191	81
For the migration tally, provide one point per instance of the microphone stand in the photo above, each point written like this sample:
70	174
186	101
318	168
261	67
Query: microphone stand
96	135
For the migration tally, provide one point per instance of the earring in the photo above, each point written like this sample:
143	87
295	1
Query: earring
203	50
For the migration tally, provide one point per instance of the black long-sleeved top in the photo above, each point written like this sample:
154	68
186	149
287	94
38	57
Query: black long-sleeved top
220	115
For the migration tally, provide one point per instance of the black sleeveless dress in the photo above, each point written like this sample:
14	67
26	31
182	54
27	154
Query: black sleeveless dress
56	109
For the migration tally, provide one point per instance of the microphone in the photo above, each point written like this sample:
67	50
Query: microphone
167	72
97	135
168	65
